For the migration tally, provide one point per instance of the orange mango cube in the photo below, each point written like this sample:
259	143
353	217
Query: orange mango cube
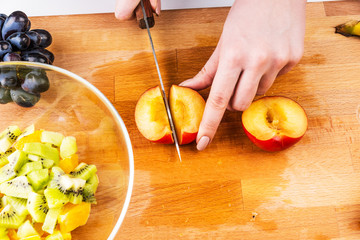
73	216
68	164
34	137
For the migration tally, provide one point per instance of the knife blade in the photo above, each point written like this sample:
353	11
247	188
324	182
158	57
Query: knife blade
144	21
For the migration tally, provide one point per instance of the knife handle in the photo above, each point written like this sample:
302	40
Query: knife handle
149	14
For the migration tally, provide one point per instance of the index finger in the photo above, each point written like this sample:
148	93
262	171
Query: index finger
221	91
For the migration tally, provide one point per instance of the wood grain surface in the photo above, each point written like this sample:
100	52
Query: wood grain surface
232	190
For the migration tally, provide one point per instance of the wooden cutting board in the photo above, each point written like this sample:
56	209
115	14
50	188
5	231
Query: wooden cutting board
232	190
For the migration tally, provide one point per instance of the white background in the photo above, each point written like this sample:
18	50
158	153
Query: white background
64	7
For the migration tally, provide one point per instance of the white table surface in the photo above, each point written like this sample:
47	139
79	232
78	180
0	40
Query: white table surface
65	7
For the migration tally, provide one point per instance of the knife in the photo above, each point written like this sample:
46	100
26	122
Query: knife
144	15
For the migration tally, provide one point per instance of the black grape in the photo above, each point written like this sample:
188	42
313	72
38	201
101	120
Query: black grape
5	47
12	56
46	38
5	96
22	70
24	99
29	26
2	20
43	51
8	78
35	57
35	39
36	82
15	22
19	41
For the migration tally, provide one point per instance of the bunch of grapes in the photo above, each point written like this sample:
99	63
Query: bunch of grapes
22	84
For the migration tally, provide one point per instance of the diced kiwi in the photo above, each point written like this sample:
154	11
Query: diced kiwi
3	233
54	138
29	167
51	219
35	158
47	163
4	156
9	137
68	147
17	159
59	180
75	194
26	230
6	173
10	218
17	187
38	178
18	203
55	198
5	237
75	197
42	150
27	131
84	171
56	236
56	172
90	189
37	207
57	188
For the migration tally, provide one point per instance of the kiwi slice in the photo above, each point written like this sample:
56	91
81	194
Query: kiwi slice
71	189
75	197
27	131
38	178
4	156
3	233
27	230
29	167
59	180
90	189
47	163
75	194
18	203
43	150
55	198
57	235
6	173
68	147
55	174
84	171
54	138
10	218
9	137
17	187
37	207
51	219
17	159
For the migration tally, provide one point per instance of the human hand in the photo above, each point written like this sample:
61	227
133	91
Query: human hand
124	9
261	40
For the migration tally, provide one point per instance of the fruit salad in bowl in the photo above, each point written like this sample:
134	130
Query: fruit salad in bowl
66	162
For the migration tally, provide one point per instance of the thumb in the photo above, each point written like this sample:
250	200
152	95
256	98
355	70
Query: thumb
156	6
124	9
206	76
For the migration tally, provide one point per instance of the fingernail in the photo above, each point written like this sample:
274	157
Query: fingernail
203	142
157	10
184	83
